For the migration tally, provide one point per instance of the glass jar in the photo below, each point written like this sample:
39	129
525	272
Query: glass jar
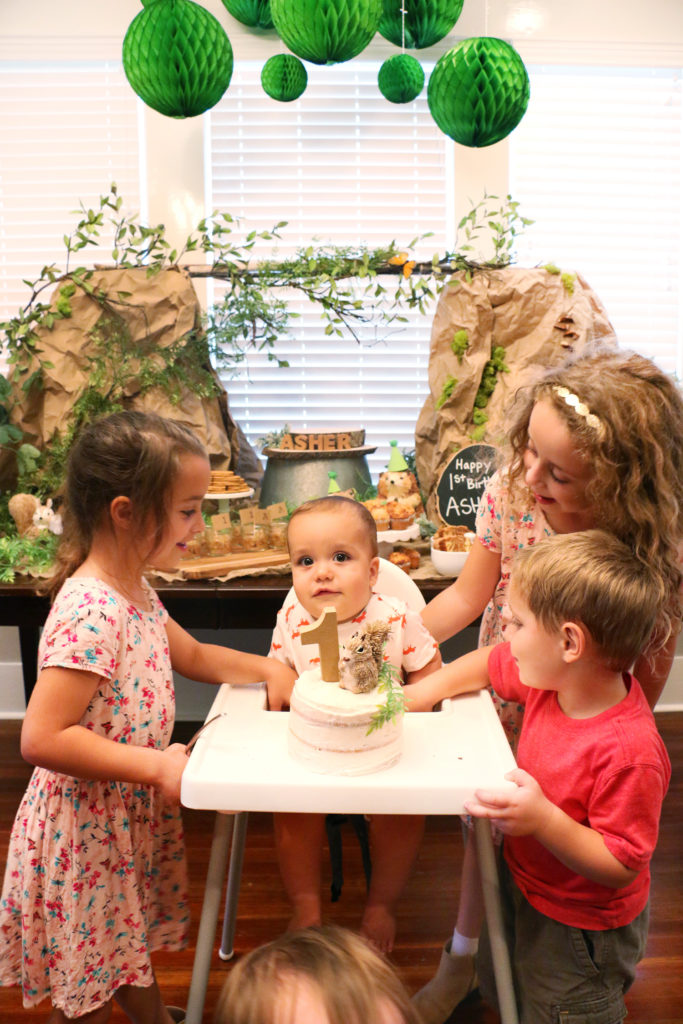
278	535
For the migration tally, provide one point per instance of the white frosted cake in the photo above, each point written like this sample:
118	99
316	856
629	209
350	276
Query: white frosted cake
328	728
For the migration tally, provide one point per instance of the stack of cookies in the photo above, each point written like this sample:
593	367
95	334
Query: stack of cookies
224	481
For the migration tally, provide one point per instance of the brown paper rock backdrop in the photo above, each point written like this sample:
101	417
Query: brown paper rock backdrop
158	312
536	317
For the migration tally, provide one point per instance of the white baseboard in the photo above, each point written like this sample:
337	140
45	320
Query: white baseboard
12	702
672	697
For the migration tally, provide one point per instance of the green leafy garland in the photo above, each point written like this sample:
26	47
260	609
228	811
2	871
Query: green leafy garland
346	283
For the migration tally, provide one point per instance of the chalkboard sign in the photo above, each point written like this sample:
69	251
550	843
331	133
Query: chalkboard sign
462	484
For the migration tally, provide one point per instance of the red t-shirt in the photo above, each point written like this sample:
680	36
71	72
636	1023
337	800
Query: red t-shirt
610	773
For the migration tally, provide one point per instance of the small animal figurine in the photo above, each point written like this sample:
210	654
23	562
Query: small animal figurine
31	517
397	482
45	518
361	658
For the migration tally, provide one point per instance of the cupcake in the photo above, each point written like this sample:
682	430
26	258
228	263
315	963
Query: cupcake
381	517
400	516
400	559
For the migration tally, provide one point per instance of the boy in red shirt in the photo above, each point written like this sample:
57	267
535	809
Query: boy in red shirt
581	825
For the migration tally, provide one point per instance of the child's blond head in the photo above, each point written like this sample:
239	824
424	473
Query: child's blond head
626	419
351	983
594	579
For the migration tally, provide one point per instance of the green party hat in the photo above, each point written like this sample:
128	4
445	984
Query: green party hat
396	464
333	486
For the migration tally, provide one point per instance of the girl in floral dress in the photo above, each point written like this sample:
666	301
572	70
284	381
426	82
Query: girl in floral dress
596	442
95	877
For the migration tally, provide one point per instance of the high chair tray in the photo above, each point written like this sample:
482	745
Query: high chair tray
241	762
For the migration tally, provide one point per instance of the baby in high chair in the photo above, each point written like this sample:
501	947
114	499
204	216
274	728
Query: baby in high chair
333	547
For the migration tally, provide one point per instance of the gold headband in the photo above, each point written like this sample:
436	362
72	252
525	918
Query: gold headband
579	407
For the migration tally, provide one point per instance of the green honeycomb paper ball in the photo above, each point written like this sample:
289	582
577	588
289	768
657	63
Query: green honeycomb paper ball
255	13
478	91
401	78
177	58
426	21
284	77
326	31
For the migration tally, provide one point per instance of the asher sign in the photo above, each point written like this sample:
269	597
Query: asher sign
462	484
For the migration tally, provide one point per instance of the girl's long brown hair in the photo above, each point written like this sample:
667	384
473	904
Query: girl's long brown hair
135	454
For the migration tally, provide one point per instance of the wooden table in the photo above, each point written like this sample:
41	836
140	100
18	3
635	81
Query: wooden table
248	602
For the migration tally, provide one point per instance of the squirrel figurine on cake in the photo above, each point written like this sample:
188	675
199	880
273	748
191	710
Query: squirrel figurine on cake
361	658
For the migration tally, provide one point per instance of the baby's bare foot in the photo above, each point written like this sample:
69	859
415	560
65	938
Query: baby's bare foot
379	928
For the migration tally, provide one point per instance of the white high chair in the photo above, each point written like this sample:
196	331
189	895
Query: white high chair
390	580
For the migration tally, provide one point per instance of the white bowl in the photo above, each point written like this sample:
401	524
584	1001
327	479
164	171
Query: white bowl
448	563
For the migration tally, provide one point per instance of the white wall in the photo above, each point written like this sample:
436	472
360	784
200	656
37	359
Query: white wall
611	31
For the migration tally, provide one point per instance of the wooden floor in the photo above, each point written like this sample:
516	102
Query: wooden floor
427	912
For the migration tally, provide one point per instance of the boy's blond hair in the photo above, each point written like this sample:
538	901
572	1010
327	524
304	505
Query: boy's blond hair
335	503
594	579
352	980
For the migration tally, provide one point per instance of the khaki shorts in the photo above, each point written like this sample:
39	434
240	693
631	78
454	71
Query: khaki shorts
563	975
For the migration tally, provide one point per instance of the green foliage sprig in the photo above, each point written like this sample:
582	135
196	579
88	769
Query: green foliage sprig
273	438
503	223
30	555
10	435
389	682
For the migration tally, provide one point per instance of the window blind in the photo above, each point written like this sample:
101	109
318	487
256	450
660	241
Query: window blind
68	129
597	162
342	166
